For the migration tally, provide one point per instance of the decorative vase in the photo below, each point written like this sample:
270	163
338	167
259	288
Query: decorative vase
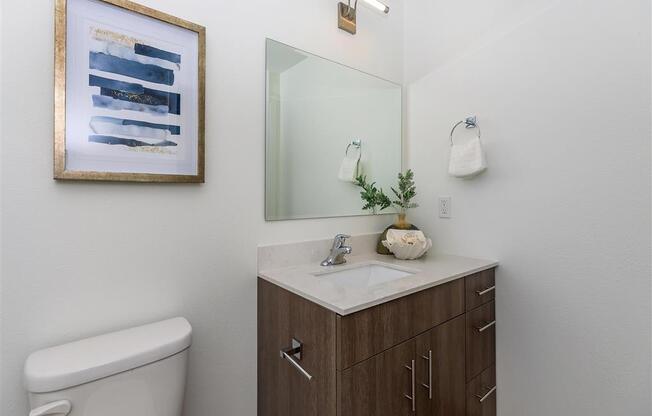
400	224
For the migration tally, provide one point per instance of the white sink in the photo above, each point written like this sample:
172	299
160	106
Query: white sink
364	275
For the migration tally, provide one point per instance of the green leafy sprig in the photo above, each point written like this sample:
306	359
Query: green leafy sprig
406	191
375	199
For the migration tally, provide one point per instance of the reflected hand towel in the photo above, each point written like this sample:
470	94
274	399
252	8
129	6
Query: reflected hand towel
349	167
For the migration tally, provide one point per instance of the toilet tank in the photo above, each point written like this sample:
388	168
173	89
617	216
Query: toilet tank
135	372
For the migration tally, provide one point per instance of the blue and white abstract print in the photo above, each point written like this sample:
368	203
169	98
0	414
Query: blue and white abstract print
113	54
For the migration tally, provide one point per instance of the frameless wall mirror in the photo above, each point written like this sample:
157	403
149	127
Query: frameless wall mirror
326	123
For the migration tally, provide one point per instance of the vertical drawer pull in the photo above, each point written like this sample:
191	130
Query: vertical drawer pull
485	327
484	292
412	398
429	385
486	395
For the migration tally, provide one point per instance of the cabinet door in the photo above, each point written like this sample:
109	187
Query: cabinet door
383	385
441	380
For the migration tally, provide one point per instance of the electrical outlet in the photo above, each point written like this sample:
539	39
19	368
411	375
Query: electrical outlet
445	207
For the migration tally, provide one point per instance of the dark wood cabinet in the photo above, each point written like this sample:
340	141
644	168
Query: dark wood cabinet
427	353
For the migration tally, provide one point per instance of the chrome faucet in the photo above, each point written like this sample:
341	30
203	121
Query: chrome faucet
338	251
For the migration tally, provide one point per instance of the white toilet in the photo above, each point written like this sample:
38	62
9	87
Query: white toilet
136	372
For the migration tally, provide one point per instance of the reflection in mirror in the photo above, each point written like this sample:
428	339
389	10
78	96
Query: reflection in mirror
326	123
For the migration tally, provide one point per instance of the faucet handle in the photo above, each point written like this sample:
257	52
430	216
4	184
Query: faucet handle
340	239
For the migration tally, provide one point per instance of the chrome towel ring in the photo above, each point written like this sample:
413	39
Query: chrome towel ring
357	143
470	123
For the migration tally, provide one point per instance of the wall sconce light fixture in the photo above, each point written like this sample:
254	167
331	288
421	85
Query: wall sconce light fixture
346	14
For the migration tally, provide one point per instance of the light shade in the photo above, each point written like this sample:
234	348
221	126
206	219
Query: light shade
377	5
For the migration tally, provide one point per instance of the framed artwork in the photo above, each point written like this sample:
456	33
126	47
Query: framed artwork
129	93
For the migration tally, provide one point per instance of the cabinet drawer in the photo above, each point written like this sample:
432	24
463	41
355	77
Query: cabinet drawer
480	339
371	331
479	288
481	394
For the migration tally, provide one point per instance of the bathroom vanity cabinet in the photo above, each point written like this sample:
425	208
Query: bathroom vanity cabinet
427	353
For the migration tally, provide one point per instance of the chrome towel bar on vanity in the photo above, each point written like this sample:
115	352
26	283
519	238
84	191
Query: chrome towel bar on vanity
292	354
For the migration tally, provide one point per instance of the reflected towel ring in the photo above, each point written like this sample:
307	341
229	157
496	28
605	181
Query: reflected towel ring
355	143
470	123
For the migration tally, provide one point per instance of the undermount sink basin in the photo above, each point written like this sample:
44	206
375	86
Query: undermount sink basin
365	275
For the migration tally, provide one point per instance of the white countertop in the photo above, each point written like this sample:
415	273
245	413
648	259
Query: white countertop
431	270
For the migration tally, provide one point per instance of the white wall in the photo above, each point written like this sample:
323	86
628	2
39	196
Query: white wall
1	193
562	93
79	259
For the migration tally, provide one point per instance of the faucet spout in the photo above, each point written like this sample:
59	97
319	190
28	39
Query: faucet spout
338	251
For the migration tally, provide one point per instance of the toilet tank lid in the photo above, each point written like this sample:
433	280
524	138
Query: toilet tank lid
90	359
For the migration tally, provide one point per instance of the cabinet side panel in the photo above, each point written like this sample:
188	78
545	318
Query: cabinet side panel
282	390
273	319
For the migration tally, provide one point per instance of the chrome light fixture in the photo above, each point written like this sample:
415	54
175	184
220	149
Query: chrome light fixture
346	14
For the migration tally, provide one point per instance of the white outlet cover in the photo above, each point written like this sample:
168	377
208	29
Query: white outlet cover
445	208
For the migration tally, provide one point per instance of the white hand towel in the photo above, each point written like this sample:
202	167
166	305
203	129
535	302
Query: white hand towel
349	167
467	159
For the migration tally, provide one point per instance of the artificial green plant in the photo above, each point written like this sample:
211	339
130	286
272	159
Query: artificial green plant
375	199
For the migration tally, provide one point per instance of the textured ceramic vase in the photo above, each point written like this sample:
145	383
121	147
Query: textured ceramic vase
400	224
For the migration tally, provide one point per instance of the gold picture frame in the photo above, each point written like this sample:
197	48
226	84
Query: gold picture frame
60	153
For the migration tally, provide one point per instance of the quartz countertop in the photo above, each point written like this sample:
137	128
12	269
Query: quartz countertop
310	282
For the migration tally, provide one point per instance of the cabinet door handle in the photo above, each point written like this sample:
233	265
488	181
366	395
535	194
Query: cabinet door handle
429	385
292	354
485	291
412	398
486	395
485	327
